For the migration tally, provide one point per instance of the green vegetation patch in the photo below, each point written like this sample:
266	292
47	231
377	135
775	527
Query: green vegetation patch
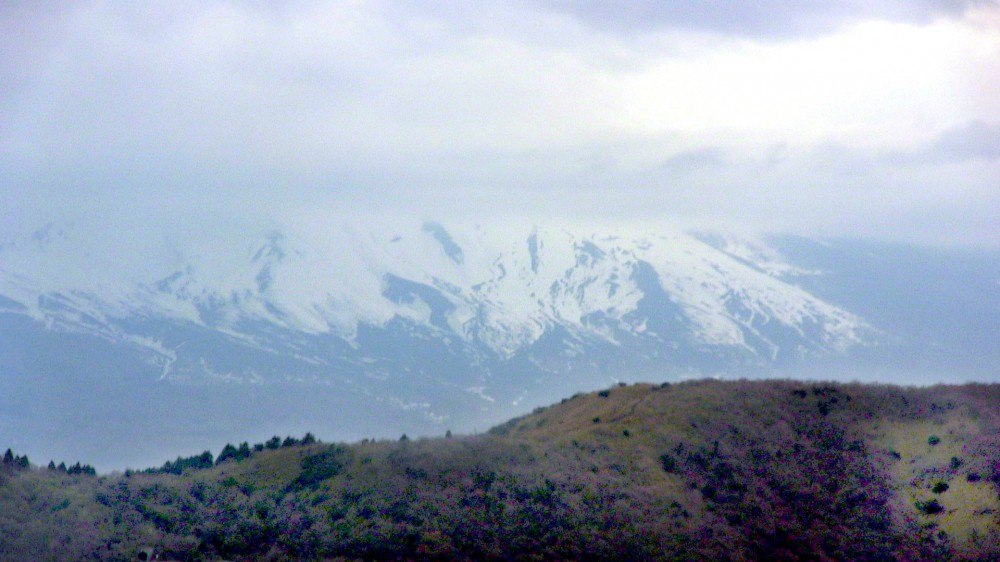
320	467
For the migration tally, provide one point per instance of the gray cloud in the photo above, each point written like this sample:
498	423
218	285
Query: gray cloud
690	161
767	18
974	140
966	143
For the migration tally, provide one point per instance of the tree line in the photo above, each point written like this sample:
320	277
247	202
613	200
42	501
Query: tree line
229	452
12	461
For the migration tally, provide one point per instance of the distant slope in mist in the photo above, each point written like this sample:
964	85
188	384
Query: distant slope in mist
177	335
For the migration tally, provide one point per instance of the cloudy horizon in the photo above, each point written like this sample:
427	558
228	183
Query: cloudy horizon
867	119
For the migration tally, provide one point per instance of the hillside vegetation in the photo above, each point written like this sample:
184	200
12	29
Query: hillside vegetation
705	470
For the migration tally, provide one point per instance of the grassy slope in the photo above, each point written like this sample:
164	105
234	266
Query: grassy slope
701	470
895	426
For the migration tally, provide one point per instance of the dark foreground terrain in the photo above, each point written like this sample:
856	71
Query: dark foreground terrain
705	470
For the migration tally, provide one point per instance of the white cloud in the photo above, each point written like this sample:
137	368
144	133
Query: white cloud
509	108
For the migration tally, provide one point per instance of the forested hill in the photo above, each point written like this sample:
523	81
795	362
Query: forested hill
705	470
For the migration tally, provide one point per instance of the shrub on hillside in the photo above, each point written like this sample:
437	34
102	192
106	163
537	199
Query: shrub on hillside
319	467
668	463
930	507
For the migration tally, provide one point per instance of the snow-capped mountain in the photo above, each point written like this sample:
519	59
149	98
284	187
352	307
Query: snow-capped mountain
498	292
426	324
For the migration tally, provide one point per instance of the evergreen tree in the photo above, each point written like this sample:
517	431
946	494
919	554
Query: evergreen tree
273	443
309	439
228	452
205	460
8	457
52	465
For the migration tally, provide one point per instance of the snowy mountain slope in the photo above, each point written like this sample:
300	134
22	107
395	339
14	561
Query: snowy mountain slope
494	289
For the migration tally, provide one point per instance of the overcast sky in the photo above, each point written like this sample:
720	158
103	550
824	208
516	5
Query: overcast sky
861	118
